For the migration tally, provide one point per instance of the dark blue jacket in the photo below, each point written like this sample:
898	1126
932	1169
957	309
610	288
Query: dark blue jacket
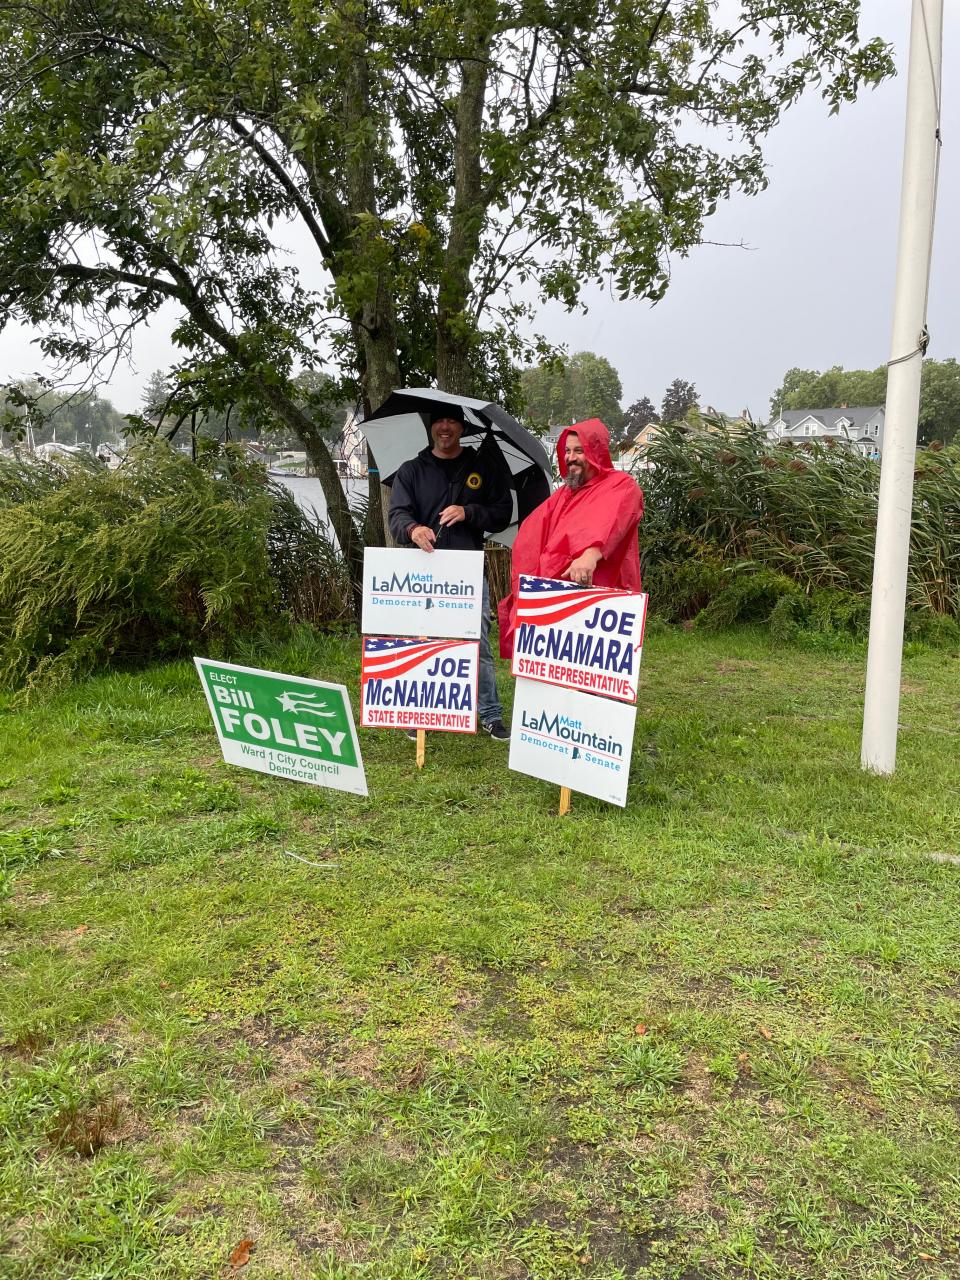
421	490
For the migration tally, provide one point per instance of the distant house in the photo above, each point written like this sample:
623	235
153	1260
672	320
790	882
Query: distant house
109	456
350	449
632	455
859	426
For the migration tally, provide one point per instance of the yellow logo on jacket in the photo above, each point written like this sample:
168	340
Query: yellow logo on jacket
473	480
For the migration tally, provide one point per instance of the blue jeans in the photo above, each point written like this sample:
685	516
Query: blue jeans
488	700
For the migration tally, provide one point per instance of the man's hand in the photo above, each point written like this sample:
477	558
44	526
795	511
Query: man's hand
452	515
423	537
582	569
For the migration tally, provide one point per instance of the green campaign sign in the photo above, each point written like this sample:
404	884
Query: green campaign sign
289	726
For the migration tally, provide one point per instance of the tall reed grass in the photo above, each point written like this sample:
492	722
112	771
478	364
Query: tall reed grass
734	525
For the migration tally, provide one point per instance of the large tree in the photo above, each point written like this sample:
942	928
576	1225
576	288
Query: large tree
810	389
678	399
639	415
558	392
431	154
939	394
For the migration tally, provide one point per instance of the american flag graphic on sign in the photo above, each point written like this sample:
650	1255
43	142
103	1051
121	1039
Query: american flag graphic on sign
392	656
543	602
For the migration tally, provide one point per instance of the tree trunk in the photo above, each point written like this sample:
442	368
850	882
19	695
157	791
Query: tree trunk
338	509
381	376
455	327
373	317
375	530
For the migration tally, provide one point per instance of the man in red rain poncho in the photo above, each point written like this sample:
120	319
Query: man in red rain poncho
586	531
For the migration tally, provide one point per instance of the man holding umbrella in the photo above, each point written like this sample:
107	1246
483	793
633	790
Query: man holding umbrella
447	498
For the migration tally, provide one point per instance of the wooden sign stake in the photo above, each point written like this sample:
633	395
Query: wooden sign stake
421	747
564	800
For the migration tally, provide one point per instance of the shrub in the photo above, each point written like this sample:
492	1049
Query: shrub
156	558
747	597
681	573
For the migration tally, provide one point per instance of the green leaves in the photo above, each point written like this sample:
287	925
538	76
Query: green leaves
158	555
433	158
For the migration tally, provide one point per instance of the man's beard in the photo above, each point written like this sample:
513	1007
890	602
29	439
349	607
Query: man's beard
575	478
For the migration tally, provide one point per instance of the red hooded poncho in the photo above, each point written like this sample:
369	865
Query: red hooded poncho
604	513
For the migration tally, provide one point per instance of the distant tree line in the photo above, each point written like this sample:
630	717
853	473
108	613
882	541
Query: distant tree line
679	400
172	407
80	417
559	392
835	387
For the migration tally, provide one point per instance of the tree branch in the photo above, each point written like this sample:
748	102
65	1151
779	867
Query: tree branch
113	275
287	183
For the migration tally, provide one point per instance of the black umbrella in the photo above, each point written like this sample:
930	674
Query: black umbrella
400	428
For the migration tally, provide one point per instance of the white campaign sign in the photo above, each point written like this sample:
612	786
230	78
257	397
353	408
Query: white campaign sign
586	638
419	684
573	739
409	592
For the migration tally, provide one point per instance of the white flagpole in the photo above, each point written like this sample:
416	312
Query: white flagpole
917	202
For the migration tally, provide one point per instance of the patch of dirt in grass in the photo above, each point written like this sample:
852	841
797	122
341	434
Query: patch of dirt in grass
29	901
633	910
496	1008
27	1044
67	939
260	1032
698	1085
467	998
610	1242
363	1062
703	992
115	1032
84	1129
311	1221
271	1258
567	1158
696	1200
305	1227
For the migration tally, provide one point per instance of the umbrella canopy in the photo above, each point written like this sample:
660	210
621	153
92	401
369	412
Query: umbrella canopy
400	428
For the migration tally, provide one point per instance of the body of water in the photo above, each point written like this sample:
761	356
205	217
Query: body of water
309	495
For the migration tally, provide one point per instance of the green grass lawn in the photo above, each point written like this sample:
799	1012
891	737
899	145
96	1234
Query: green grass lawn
715	1034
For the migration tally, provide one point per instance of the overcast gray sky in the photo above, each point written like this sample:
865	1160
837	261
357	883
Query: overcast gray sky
815	287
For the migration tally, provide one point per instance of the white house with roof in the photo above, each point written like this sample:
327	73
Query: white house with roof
859	426
632	455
